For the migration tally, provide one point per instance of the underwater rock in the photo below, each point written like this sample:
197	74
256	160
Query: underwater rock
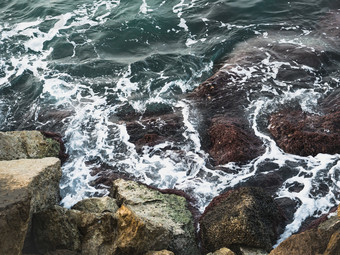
27	144
149	220
325	239
243	217
151	131
233	142
27	186
305	134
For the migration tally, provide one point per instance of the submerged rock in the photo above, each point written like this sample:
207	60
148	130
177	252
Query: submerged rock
27	186
149	220
233	142
325	239
27	144
243	217
305	134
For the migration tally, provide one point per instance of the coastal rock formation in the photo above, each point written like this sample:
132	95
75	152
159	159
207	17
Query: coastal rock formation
232	142
73	230
304	134
146	220
243	217
27	186
324	239
162	252
27	144
149	220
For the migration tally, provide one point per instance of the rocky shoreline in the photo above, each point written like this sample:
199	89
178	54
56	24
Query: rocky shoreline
135	218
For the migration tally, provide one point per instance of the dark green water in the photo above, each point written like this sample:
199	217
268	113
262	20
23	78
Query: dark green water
74	66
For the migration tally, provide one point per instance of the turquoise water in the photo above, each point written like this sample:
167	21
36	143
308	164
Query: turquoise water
72	67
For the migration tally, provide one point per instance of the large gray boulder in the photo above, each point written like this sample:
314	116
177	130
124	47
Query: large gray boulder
149	220
26	187
27	144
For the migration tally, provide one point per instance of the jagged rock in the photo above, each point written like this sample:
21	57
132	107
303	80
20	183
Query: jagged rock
27	144
233	142
243	217
97	205
74	230
26	186
222	251
321	240
149	220
304	134
162	252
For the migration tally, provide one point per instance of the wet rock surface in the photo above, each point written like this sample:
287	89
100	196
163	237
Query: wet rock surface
233	142
243	217
305	134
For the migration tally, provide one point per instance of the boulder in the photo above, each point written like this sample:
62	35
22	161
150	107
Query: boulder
27	144
162	252
233	142
90	229
149	220
243	217
27	186
323	239
222	251
97	205
305	134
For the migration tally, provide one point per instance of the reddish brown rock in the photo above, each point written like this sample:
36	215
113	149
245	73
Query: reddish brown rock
305	134
232	142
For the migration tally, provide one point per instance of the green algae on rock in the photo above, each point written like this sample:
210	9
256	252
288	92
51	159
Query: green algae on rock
27	144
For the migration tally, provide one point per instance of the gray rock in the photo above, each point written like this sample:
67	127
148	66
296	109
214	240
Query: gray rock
26	186
27	144
149	220
97	205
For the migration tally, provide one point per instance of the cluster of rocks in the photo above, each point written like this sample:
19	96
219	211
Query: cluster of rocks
134	218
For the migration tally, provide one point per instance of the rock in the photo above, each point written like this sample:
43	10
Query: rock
222	251
304	134
162	252
26	186
252	251
149	220
97	205
74	230
56	228
243	217
151	131
321	240
27	144
233	142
